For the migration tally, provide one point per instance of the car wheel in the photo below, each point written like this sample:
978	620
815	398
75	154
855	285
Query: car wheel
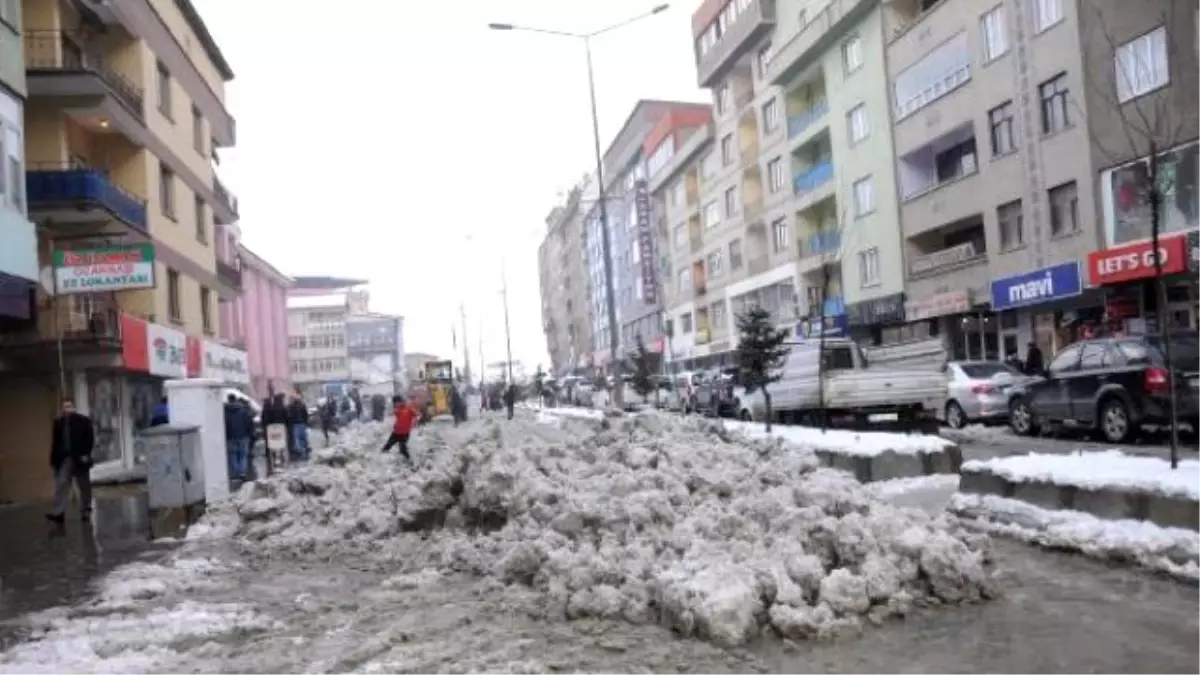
1115	425
956	417
1021	419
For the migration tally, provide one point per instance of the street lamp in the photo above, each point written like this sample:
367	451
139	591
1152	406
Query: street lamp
611	304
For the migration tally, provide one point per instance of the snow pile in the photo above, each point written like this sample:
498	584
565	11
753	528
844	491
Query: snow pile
1111	469
648	518
138	623
1173	551
857	443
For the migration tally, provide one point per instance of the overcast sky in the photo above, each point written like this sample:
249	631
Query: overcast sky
404	142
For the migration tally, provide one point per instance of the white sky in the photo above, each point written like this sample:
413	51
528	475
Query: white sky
404	142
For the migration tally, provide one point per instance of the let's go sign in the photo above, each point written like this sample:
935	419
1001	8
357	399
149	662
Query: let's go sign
104	268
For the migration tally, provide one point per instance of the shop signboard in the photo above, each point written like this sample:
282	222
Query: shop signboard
645	240
1036	287
1136	261
954	302
223	363
167	351
97	269
829	326
888	309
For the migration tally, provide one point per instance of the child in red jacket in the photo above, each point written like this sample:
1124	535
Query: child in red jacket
402	427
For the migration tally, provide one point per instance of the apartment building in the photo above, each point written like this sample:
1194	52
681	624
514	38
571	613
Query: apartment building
564	281
124	114
18	240
256	321
317	345
828	59
375	348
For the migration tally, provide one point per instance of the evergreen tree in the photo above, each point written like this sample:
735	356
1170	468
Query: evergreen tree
640	367
761	353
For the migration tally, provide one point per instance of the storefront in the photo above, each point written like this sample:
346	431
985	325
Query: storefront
226	364
867	319
1127	273
1049	307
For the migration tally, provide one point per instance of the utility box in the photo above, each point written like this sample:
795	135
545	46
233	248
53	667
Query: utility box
198	402
174	466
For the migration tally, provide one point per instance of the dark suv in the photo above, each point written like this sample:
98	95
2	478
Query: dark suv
1111	385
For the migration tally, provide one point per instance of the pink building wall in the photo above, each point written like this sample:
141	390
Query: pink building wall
257	320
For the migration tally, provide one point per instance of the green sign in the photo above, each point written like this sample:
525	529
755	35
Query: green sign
104	269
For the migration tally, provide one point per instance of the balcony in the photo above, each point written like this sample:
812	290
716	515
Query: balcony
821	243
813	38
937	183
798	124
945	260
753	23
954	78
816	176
81	200
229	275
91	330
226	211
60	64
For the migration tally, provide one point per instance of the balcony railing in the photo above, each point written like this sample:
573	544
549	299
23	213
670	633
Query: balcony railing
944	260
228	199
807	181
63	52
828	241
59	185
97	328
798	123
954	79
231	275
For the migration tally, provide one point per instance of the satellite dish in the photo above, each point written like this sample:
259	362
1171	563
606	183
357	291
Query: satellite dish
46	279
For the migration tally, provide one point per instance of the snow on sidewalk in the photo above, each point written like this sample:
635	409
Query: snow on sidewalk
1111	469
1170	550
856	443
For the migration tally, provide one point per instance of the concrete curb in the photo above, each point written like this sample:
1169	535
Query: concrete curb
889	465
1106	503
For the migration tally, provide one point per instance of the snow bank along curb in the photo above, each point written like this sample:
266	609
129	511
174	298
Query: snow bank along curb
1108	485
646	519
1170	550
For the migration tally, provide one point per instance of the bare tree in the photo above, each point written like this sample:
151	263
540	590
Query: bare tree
1154	111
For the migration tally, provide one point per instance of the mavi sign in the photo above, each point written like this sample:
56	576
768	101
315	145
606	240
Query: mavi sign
1032	288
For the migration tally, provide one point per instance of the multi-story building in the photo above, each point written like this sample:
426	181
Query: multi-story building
828	57
320	360
124	113
375	348
257	321
18	240
563	275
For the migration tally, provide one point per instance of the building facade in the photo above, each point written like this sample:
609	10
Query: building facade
256	322
123	117
18	246
375	347
563	274
317	350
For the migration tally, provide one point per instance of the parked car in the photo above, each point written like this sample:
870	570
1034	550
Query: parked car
980	391
847	390
1113	386
716	394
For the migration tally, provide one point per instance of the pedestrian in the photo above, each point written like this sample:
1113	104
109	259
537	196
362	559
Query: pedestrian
161	414
73	438
1034	363
297	417
274	414
328	418
401	426
458	406
510	399
239	434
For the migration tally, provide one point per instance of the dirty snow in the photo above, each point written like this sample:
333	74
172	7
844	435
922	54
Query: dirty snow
1171	550
1111	469
650	519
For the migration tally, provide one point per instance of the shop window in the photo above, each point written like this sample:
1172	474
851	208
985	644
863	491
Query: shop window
104	407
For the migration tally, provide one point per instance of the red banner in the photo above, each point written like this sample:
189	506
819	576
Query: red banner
1133	262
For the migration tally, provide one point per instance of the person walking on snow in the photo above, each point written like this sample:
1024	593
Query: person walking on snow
510	399
239	435
328	414
297	417
401	427
73	438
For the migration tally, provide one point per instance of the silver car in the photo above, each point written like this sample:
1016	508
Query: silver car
978	391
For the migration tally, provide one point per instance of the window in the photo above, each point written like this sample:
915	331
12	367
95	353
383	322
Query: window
1064	209
635	252
727	150
1141	65
864	196
712	214
762	59
1012	233
1054	104
206	321
868	267
1093	356
852	54
680	235
860	125
717	315
1047	13
995	34
770	112
197	130
775	175
12	171
708	166
201	223
164	91
166	190
779	234
735	254
1067	359
174	310
731	202
685	280
716	264
723	93
1001	120
685	323
956	162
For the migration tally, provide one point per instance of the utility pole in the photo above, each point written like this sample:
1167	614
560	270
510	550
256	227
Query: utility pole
462	312
507	332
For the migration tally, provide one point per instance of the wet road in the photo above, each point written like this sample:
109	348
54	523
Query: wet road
979	442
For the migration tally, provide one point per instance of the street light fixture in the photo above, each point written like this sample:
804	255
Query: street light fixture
614	332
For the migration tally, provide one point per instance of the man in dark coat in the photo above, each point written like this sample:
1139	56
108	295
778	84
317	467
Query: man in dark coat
297	414
329	418
1034	364
510	399
73	438
275	412
458	406
239	436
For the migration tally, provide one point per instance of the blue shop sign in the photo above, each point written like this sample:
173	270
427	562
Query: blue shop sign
1033	288
813	328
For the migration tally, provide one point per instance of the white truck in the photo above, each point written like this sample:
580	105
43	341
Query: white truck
846	389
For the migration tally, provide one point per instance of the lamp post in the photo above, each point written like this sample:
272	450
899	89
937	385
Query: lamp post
611	299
